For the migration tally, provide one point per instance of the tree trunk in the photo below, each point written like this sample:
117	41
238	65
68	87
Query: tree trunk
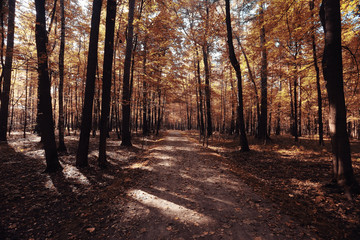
202	124
62	146
26	96
263	115
107	74
4	110
45	117
145	93
236	66
295	103
86	118
207	91
125	134
333	75
318	87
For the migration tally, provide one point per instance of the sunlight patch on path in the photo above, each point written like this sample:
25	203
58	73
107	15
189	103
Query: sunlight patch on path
170	209
72	173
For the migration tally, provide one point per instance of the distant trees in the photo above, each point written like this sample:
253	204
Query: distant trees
174	66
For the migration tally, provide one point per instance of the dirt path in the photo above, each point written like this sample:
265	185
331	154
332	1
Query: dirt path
187	192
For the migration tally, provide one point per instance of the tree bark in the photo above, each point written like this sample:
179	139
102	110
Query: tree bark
207	91
333	74
107	74
45	116
318	86
86	118
5	94
202	124
145	93
125	134
234	62
62	146
263	115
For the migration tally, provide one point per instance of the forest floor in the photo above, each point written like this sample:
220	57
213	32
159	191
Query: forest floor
172	187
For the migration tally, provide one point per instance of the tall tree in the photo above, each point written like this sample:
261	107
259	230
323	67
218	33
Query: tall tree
86	118
333	73
317	71
205	49
125	134
107	74
263	115
5	94
61	146
236	66
45	116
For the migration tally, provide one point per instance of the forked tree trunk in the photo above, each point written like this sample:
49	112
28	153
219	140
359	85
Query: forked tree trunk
333	74
236	65
107	74
5	94
45	118
86	118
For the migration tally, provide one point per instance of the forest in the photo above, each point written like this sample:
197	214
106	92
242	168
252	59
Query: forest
154	119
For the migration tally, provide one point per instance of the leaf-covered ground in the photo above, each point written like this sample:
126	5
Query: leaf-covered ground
296	177
171	187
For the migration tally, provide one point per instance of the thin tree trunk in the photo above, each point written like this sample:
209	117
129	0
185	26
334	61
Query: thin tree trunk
5	95
145	93
251	78
333	74
86	118
107	74
207	91
263	116
318	86
26	97
62	146
236	66
202	124
46	119
125	134
295	104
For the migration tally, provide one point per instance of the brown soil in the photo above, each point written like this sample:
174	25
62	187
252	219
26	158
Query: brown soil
167	188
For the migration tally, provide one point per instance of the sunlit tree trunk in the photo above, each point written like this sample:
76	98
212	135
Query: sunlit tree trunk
61	146
333	75
125	134
45	118
236	66
86	118
107	74
5	94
